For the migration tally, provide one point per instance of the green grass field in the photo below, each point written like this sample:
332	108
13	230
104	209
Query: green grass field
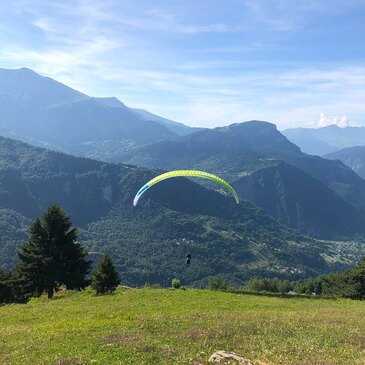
165	326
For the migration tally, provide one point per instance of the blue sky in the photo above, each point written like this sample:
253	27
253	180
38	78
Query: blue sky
204	63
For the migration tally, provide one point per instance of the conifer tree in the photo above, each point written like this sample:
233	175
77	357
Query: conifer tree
52	256
357	279
5	289
105	277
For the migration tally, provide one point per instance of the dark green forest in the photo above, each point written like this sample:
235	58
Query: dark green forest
347	284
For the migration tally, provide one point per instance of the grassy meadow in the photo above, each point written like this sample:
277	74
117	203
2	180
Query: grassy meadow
165	326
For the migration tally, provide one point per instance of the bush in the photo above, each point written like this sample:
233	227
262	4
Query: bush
105	278
217	283
272	285
176	283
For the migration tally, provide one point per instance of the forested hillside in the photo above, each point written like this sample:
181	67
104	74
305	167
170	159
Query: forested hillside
149	242
353	157
305	192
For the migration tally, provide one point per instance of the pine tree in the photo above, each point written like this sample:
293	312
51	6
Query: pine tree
11	288
52	256
356	278
5	289
105	277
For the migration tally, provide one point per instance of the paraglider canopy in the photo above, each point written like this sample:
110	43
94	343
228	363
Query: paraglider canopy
185	173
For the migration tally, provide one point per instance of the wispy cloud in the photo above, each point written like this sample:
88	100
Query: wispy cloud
114	13
295	96
288	15
45	25
202	63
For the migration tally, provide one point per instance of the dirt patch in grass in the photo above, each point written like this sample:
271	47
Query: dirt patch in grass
213	332
361	341
314	363
168	351
196	333
356	341
68	361
122	339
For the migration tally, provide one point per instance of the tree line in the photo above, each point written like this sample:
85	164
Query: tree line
348	284
53	258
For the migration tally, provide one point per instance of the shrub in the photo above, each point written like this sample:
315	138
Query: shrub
105	278
176	283
217	283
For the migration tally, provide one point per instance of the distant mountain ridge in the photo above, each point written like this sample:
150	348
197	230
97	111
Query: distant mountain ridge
32	90
300	201
45	112
321	141
178	128
353	157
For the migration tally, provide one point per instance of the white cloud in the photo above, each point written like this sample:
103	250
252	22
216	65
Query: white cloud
45	24
340	121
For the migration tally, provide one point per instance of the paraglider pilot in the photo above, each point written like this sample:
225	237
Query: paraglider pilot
188	258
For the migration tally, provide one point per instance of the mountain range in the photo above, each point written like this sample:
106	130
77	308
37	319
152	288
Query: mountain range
321	141
318	197
148	243
44	112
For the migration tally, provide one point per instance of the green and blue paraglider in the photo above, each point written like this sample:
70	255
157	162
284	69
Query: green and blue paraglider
185	173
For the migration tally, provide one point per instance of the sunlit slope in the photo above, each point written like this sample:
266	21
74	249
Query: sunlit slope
181	327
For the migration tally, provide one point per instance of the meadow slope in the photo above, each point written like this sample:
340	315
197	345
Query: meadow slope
163	326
